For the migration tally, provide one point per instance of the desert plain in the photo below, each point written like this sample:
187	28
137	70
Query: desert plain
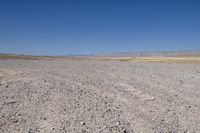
99	96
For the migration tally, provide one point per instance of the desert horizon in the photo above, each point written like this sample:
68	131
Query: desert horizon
99	66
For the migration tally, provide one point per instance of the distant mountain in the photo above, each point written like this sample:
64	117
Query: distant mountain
116	54
151	53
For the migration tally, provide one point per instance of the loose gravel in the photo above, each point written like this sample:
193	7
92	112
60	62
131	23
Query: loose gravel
88	96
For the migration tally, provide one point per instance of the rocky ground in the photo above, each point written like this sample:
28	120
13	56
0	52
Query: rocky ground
88	96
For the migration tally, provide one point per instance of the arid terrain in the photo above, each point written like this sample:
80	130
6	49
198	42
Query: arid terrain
99	96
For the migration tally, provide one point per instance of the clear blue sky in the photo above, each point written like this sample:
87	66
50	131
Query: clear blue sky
60	27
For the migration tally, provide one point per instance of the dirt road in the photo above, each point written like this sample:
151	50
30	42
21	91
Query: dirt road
88	96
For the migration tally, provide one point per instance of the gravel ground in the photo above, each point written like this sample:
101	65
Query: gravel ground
88	96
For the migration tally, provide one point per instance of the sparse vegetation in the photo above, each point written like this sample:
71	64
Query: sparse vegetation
158	59
169	59
30	57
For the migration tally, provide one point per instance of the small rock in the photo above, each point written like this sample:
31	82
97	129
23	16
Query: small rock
30	131
118	123
44	118
83	123
125	131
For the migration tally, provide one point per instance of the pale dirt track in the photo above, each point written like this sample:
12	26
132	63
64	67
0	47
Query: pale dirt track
88	96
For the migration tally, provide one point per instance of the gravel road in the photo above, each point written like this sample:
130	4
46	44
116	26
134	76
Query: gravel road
88	96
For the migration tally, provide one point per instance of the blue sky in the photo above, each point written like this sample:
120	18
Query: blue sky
60	27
